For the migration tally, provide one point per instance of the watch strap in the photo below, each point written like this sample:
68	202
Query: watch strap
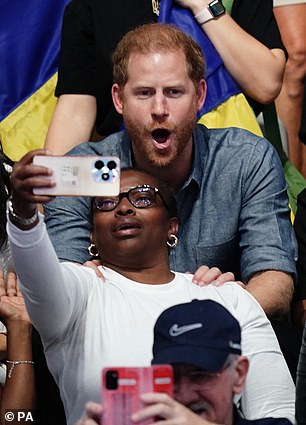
204	16
212	11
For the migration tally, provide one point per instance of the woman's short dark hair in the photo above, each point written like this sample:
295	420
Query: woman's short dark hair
5	192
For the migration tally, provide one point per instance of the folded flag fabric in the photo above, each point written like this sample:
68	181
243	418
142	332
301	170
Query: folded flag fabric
29	48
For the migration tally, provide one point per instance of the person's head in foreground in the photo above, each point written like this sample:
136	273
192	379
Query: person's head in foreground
159	87
135	229
202	340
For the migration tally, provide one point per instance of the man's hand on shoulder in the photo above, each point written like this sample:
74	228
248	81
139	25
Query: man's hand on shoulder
205	275
94	264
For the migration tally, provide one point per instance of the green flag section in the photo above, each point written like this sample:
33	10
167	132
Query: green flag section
296	183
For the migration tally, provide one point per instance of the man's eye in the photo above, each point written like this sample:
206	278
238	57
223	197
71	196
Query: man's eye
144	93
174	92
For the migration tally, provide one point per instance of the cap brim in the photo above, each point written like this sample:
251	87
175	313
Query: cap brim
211	360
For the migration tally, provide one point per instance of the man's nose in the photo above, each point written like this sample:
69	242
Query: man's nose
159	106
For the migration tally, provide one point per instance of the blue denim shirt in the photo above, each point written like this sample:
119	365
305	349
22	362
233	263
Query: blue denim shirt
233	207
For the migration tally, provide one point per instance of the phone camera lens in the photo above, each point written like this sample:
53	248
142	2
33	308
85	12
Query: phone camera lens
105	176
99	164
111	165
111	379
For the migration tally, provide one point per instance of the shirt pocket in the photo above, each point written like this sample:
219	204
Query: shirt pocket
226	256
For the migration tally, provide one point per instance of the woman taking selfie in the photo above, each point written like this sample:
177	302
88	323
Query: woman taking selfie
86	325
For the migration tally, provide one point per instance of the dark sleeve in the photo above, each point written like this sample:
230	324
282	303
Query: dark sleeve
300	231
76	73
256	17
50	407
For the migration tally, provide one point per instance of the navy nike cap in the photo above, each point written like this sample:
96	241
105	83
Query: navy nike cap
201	333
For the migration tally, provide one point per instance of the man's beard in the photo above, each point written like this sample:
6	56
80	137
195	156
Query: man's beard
142	140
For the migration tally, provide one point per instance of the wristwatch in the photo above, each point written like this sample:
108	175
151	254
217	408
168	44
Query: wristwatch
21	220
212	11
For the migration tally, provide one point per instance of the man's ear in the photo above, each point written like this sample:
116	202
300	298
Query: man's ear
117	97
202	90
241	371
173	226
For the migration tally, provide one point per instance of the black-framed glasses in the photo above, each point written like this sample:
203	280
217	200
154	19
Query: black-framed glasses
142	196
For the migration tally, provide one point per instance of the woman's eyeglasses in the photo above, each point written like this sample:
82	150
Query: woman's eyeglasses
142	196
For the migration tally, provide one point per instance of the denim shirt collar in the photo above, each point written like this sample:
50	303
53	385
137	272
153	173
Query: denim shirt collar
126	147
199	139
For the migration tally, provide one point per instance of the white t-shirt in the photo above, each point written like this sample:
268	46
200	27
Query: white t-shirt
86	324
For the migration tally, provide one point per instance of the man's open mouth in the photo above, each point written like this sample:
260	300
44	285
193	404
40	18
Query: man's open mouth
160	135
161	138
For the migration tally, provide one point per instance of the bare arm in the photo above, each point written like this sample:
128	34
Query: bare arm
2	346
256	68
19	389
291	21
273	290
72	122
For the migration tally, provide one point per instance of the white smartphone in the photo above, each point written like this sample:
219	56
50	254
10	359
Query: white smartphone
81	175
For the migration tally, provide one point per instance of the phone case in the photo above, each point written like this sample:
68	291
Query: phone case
121	387
81	175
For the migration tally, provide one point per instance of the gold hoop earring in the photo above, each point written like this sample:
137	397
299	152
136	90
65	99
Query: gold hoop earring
93	250
173	241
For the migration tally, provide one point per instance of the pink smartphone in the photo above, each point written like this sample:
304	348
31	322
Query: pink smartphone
81	175
122	386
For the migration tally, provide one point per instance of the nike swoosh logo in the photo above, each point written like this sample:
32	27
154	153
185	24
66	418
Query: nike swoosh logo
176	330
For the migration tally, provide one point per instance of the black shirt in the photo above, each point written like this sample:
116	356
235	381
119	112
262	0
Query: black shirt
92	29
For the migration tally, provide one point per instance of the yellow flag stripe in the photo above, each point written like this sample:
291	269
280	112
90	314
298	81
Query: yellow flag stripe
25	128
234	112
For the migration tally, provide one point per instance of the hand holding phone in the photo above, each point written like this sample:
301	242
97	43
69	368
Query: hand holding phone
81	175
122	386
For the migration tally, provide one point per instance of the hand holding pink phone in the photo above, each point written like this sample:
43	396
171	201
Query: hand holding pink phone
122	386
